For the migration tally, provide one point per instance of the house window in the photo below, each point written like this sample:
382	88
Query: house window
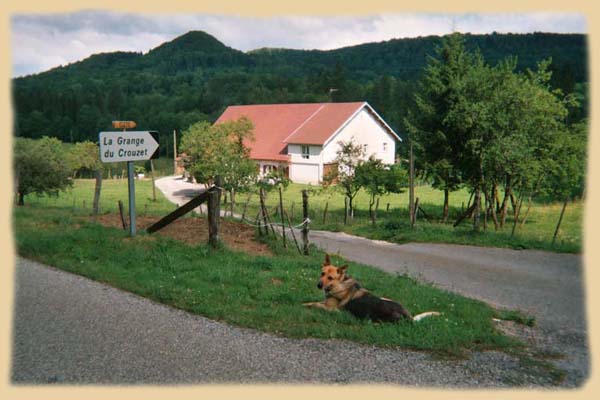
305	152
384	147
365	148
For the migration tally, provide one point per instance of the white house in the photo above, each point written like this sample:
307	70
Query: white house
302	139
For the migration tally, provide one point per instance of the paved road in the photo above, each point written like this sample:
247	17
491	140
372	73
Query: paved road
547	285
69	329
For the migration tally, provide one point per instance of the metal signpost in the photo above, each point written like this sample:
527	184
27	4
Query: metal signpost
128	146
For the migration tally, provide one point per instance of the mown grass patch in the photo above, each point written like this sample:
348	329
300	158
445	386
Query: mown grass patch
259	292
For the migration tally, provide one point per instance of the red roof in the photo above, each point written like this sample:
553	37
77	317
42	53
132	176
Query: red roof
276	125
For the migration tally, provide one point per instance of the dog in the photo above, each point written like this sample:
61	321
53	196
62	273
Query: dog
329	274
343	292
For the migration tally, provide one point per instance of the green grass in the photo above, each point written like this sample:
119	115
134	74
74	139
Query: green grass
260	292
393	225
79	198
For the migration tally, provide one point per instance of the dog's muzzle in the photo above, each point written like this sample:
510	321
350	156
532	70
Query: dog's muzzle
320	285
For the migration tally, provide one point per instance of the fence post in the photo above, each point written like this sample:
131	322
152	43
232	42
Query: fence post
214	211
305	221
153	184
97	189
282	217
263	210
122	213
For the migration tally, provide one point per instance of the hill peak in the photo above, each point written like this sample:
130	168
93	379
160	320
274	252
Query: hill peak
193	40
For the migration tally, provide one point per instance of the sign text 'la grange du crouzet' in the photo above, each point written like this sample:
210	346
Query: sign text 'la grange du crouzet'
128	146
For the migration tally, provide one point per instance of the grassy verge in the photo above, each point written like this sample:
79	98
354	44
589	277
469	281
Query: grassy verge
392	223
259	292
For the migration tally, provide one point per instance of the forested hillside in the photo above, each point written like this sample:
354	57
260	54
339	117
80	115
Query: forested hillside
194	77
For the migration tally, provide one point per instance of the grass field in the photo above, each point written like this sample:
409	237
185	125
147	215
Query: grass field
80	197
393	225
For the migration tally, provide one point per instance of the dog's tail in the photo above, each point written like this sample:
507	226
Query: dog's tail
419	317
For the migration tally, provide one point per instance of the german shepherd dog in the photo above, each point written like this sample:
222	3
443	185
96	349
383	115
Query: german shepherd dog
329	274
343	292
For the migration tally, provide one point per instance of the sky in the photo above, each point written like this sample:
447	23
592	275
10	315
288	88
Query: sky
40	42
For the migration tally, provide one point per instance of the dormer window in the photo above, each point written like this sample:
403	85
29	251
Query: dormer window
305	151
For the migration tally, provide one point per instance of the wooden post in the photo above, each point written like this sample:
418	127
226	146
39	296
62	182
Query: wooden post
257	223
122	213
214	212
178	212
97	189
153	185
387	208
174	152
292	230
269	220
559	221
131	189
414	215
246	206
263	209
325	213
282	217
411	187
305	221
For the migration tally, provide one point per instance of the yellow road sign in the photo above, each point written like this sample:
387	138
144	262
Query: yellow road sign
124	124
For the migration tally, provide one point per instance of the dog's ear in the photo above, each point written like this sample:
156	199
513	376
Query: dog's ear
327	260
342	269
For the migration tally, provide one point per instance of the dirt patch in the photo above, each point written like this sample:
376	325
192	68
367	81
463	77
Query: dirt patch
194	230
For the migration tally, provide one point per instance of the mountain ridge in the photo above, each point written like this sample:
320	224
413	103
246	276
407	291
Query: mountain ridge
195	76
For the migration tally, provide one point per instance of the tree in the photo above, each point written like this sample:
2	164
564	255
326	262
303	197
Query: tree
348	157
83	157
40	167
482	126
437	143
379	179
566	171
220	150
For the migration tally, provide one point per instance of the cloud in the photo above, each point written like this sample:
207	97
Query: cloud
40	42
